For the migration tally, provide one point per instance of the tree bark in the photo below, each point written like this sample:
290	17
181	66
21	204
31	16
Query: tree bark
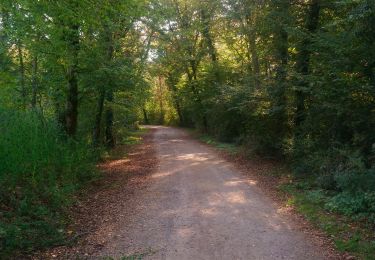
71	114
192	78
105	96
145	117
161	104
109	137
281	46
206	32
34	82
98	119
250	33
254	58
303	61
179	112
176	102
21	73
207	35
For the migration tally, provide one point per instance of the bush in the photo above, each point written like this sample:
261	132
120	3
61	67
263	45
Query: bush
39	171
357	194
357	205
356	181
344	173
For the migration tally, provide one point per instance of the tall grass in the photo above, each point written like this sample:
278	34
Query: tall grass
39	172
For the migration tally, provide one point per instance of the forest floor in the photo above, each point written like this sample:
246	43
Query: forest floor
173	197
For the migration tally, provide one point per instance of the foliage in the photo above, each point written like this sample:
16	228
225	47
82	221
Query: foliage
71	77
38	175
348	237
294	81
288	80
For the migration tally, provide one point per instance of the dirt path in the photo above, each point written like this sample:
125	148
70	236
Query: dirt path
199	206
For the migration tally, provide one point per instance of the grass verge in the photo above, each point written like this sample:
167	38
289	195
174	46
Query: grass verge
355	238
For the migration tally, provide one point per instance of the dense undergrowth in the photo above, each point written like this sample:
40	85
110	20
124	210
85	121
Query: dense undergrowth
350	232
40	171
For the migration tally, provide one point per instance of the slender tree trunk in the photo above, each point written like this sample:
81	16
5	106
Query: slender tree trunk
109	137
254	57
281	46
59	113
102	98
171	82
178	106
161	104
34	82
210	44
207	35
250	32
145	117
98	119
5	25
71	114
179	113
192	79
303	61
21	73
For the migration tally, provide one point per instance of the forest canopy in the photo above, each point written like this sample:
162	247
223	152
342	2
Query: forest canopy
293	80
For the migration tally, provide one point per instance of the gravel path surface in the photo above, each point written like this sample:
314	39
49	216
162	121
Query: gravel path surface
198	206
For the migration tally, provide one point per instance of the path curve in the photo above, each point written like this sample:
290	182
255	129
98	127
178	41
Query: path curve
198	206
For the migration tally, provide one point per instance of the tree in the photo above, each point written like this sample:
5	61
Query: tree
303	59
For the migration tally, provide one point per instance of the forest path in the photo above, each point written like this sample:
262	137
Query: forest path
198	206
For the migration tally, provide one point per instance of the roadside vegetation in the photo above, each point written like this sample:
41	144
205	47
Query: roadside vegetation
71	89
291	80
350	233
39	173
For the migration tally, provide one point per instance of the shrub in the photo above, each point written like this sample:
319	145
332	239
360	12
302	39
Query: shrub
39	171
357	205
344	173
356	181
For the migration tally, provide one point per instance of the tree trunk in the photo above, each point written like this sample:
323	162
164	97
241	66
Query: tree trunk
176	102
254	57
98	119
145	117
172	80
34	82
281	46
210	44
161	104
192	78
105	95
207	35
303	61
71	114
250	33
21	73
179	112
5	26
109	137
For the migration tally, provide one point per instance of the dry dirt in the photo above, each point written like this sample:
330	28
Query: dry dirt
193	204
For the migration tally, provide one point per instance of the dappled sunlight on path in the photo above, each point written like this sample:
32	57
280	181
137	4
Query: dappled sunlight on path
200	207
